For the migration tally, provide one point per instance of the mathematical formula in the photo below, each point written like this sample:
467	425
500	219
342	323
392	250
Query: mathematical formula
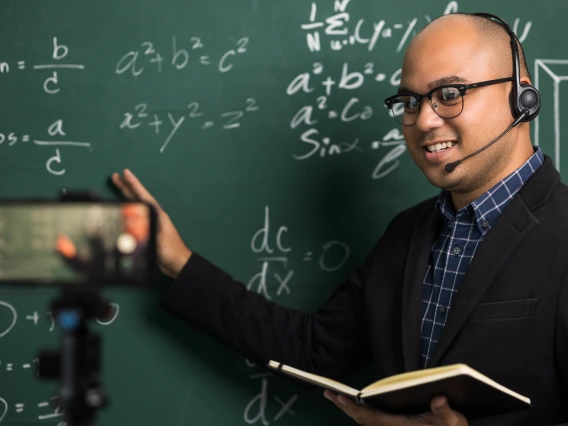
227	120
340	30
271	248
136	61
51	84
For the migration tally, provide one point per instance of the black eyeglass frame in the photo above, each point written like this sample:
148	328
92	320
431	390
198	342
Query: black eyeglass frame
461	87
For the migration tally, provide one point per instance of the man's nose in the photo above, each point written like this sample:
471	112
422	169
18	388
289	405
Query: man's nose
428	118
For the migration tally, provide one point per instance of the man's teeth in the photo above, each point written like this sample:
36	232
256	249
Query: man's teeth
439	146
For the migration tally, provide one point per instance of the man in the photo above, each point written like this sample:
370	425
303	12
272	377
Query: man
497	233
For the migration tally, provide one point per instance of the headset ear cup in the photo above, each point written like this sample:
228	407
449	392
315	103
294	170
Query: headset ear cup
529	101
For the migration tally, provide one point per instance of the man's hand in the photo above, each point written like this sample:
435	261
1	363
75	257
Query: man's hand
172	252
441	414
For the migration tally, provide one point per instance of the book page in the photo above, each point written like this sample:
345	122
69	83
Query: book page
409	379
314	379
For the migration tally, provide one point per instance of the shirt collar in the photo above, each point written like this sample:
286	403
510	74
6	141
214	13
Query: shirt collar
487	208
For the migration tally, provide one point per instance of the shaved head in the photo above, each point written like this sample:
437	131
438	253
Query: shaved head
493	36
464	49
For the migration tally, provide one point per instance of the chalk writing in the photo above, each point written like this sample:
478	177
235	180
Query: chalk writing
55	130
256	411
136	61
276	255
51	85
340	30
142	116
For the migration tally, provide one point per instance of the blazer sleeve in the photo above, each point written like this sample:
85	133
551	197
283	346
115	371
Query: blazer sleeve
561	343
332	342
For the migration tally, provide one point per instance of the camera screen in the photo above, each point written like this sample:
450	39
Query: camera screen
73	243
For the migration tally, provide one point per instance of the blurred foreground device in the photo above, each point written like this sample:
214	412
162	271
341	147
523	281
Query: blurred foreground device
77	242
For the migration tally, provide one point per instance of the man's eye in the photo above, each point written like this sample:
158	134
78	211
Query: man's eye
449	94
410	104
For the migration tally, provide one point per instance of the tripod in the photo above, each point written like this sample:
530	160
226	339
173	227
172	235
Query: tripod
77	363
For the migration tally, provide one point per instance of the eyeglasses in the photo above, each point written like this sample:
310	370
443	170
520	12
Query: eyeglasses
446	100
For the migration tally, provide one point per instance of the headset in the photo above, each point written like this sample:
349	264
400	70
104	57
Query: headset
525	98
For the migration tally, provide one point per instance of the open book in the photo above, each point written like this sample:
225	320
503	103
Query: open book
468	391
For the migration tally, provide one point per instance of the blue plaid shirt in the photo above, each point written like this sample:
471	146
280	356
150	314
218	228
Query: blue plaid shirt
459	238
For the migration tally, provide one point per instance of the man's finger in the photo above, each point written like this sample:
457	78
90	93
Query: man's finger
360	413
121	185
139	191
442	411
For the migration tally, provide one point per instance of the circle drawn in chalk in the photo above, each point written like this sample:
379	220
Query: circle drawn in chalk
338	264
116	308
2	400
14	314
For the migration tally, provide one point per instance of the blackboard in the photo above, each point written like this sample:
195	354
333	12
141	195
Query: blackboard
244	118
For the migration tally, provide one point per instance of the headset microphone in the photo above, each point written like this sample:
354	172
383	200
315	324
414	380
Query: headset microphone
525	98
451	166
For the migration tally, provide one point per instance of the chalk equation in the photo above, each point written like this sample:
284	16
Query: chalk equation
9	366
51	84
49	410
179	57
140	115
9	318
315	143
341	30
256	411
272	250
53	164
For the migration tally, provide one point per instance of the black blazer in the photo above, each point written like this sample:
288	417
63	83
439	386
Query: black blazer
509	319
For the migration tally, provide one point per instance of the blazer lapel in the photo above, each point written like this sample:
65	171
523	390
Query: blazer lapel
425	233
511	228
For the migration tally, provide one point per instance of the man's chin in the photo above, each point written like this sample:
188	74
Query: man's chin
442	179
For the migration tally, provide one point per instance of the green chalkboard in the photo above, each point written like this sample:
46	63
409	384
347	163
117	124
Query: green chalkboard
244	118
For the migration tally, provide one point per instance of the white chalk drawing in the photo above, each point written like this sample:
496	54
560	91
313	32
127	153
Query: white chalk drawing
544	65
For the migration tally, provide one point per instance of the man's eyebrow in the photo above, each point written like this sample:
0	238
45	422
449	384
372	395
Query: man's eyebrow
452	79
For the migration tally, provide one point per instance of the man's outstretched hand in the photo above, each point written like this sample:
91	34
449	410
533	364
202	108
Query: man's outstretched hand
440	415
172	251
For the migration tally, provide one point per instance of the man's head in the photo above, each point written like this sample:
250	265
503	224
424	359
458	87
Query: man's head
465	49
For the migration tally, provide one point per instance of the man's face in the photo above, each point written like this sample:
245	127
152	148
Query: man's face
453	48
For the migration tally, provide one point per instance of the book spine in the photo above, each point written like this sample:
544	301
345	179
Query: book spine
358	398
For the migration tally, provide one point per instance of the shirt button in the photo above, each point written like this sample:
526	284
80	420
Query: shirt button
450	224
457	250
442	309
485	224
